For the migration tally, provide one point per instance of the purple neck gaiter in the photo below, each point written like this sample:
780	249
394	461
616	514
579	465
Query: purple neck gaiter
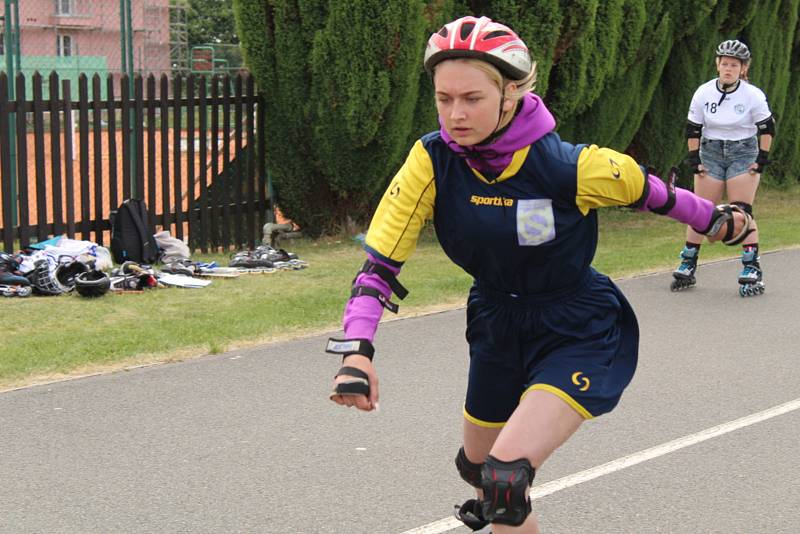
531	123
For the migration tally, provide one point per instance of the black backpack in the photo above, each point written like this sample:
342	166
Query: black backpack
131	235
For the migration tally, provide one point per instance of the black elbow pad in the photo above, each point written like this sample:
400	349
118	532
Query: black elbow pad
693	131
767	126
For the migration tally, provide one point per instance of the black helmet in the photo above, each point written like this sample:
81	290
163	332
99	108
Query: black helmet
67	272
92	283
734	48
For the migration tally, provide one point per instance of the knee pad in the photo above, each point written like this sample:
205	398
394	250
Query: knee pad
470	472
505	490
748	208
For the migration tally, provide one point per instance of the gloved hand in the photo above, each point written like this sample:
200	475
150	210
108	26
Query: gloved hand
356	383
693	161
761	161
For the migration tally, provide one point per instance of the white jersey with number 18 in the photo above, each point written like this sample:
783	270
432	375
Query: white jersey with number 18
729	116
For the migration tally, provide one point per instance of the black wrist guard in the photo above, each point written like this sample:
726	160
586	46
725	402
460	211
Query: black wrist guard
346	347
357	385
693	161
762	161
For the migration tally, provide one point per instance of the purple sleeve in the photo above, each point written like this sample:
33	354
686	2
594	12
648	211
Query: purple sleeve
689	208
362	314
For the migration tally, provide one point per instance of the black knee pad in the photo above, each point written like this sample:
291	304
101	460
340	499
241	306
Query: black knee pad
748	208
505	490
470	472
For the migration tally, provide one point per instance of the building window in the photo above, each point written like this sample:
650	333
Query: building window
64	45
65	7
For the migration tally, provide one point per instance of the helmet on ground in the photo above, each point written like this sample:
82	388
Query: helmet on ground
480	38
734	48
67	272
43	280
92	283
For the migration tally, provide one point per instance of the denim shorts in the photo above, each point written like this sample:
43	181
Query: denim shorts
726	159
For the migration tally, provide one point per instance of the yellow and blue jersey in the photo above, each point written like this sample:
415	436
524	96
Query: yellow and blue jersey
530	230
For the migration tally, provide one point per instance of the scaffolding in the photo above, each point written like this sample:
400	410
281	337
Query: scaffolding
178	36
100	37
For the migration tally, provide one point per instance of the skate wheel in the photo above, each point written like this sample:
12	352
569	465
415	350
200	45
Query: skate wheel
681	284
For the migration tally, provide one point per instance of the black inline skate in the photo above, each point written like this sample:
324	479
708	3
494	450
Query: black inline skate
684	274
751	278
470	514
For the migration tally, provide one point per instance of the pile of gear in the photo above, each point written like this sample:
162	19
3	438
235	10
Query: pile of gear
62	265
12	282
79	274
130	276
266	258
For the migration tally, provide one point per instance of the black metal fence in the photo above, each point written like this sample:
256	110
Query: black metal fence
191	147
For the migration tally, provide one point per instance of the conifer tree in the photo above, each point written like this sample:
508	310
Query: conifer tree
771	36
341	81
346	93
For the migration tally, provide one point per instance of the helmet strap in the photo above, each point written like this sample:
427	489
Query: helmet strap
726	88
498	131
500	114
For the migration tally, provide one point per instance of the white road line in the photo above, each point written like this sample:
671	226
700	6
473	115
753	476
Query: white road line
444	525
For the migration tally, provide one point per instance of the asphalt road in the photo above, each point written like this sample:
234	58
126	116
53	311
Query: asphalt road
247	441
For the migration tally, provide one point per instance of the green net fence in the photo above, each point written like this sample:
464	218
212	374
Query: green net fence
107	37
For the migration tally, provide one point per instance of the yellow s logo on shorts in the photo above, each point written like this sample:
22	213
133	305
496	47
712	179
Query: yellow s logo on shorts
579	380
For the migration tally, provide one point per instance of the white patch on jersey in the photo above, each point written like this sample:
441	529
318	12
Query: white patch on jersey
535	221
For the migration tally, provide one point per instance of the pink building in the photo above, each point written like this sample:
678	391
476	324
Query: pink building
74	36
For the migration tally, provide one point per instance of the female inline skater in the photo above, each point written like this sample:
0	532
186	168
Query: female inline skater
552	342
729	133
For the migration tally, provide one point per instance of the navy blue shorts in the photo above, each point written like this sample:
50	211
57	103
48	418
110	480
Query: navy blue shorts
582	347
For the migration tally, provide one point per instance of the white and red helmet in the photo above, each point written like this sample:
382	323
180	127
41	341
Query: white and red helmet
480	38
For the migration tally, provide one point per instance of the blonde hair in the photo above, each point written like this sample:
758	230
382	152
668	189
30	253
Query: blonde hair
522	87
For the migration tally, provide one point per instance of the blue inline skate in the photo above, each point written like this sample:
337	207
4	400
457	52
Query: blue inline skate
751	278
684	274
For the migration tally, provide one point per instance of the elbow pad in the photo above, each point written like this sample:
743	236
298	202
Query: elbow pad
767	126
693	130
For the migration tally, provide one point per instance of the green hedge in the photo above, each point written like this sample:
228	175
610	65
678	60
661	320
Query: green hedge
346	93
